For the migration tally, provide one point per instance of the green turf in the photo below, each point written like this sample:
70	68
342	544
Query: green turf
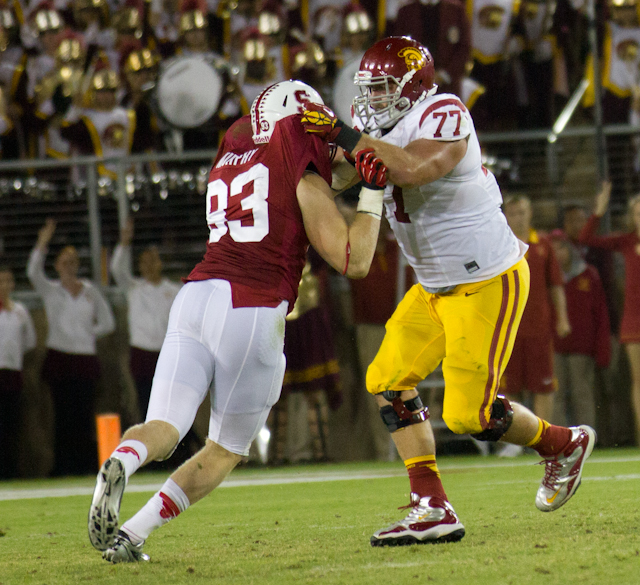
319	531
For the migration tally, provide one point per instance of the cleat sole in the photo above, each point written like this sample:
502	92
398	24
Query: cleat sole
103	513
408	540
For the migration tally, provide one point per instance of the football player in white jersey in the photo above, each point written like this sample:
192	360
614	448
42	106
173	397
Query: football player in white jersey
444	208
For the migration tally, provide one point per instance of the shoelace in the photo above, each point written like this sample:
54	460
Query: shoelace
552	470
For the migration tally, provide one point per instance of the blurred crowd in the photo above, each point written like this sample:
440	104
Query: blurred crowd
110	78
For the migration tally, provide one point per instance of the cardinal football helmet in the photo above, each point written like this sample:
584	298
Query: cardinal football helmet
395	74
279	101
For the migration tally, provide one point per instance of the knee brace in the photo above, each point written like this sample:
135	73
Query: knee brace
500	421
399	414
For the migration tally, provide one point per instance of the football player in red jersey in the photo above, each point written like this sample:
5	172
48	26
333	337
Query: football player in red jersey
268	198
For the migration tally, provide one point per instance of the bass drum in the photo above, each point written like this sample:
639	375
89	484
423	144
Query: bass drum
344	90
188	91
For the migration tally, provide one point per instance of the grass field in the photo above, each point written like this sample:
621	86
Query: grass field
312	525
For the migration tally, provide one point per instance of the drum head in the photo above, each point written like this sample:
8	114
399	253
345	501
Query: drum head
345	90
188	92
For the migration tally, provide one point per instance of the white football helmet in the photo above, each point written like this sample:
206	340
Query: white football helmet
278	101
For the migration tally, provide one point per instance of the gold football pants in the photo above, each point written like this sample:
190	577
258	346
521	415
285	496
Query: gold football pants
471	330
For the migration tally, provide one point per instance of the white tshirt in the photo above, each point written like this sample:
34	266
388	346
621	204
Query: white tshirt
149	304
17	336
452	231
74	322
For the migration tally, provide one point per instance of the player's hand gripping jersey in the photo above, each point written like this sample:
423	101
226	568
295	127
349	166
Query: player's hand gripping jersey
257	239
452	230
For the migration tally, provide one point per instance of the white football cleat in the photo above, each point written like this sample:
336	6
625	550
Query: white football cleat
431	520
105	505
124	551
563	472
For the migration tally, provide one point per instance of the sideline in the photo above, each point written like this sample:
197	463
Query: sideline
309	477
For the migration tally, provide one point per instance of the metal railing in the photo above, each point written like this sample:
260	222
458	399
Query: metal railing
165	192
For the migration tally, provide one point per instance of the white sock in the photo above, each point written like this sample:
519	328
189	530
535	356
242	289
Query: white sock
162	507
132	454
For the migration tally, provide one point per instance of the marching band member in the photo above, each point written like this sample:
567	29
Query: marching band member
444	26
103	128
491	49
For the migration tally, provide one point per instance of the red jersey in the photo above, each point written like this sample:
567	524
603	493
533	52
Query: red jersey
629	246
545	272
257	239
589	318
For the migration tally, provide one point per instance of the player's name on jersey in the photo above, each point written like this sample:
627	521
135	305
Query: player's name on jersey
231	159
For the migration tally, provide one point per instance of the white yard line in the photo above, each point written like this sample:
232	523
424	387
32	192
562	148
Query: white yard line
312	477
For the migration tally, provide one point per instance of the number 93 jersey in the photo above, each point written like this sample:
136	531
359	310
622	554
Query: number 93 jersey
257	239
452	231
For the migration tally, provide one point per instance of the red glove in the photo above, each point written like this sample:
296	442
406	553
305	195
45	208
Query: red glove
320	120
371	169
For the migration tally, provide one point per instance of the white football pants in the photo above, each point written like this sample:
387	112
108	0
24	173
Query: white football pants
234	354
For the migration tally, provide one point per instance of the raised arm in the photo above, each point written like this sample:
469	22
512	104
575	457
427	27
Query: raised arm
35	265
347	248
588	236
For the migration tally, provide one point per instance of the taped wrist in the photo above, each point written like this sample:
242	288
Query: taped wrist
400	414
370	202
347	138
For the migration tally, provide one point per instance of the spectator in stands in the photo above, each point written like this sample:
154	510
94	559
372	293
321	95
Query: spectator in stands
444	27
17	336
530	368
257	66
91	18
574	218
628	244
149	299
492	50
47	24
609	394
103	128
588	344
13	82
312	366
77	314
139	69
620	59
544	74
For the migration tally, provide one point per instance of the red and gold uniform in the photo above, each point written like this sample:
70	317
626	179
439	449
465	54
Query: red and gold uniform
444	27
589	319
629	246
531	363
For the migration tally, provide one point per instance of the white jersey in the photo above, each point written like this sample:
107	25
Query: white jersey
149	304
452	231
17	336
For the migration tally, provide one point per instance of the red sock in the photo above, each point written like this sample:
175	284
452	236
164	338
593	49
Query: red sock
424	476
550	439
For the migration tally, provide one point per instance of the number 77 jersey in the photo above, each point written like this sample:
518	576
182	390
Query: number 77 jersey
257	239
452	230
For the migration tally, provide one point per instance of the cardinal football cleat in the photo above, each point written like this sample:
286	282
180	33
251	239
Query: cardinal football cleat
431	520
563	472
124	551
105	506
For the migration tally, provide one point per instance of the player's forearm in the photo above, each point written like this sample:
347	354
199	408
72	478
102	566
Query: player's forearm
363	236
403	168
422	162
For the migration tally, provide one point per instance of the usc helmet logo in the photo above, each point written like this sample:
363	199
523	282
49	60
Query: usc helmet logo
413	58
